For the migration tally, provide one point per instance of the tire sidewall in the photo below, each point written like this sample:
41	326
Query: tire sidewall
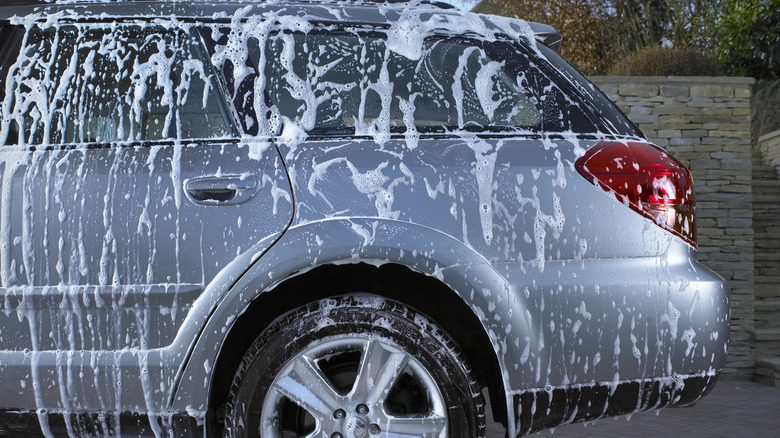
355	316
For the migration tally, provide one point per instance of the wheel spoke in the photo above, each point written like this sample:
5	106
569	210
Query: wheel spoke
307	386
427	427
379	369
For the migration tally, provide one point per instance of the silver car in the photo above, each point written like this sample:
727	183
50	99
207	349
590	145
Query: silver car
335	219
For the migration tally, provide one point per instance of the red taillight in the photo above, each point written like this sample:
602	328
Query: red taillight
648	180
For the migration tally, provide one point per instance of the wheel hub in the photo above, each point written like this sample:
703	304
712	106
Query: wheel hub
356	427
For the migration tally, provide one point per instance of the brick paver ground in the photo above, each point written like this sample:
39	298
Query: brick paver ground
733	409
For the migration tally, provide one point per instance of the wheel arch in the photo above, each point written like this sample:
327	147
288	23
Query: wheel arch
417	266
424	293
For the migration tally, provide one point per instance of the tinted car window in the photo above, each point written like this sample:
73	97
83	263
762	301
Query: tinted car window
10	42
75	84
352	82
608	117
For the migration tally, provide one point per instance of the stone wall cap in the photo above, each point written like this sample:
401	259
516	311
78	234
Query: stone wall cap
769	136
719	80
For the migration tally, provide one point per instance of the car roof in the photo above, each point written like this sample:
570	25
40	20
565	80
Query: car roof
179	9
351	11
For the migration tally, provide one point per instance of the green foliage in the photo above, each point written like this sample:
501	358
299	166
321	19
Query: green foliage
749	34
666	61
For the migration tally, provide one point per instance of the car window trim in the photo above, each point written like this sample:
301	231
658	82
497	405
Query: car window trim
226	107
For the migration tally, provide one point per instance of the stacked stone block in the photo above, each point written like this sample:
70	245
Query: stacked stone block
769	147
705	123
766	271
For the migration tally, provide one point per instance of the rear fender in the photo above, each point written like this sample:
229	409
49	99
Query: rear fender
373	241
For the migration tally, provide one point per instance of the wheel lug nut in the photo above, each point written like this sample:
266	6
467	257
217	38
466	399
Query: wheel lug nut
339	415
362	409
374	429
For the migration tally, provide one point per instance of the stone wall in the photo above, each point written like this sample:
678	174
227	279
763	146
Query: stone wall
705	123
769	146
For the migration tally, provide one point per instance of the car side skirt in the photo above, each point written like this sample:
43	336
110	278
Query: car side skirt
65	424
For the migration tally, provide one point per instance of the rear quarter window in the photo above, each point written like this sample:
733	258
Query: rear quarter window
605	116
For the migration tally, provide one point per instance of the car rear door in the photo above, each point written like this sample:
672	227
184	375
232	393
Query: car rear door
124	192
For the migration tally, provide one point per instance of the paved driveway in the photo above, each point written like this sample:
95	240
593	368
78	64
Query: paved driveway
734	409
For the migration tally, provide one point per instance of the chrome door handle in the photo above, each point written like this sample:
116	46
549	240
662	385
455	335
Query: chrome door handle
221	190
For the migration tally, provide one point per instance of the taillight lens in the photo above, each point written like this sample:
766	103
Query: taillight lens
648	180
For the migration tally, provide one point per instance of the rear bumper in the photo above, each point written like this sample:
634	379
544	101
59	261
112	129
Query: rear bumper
539	409
612	320
603	337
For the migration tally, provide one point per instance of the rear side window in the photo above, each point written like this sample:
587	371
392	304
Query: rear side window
341	81
455	85
351	82
82	84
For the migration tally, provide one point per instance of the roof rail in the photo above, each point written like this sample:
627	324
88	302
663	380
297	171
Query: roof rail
545	34
53	2
438	4
435	3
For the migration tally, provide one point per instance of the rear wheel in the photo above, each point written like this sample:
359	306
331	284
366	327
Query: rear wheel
354	367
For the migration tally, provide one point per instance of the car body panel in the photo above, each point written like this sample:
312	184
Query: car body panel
135	214
330	241
652	316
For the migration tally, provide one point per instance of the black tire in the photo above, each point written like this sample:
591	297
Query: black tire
325	356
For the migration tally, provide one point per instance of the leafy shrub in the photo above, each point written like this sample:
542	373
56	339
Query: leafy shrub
666	61
590	42
598	33
749	34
